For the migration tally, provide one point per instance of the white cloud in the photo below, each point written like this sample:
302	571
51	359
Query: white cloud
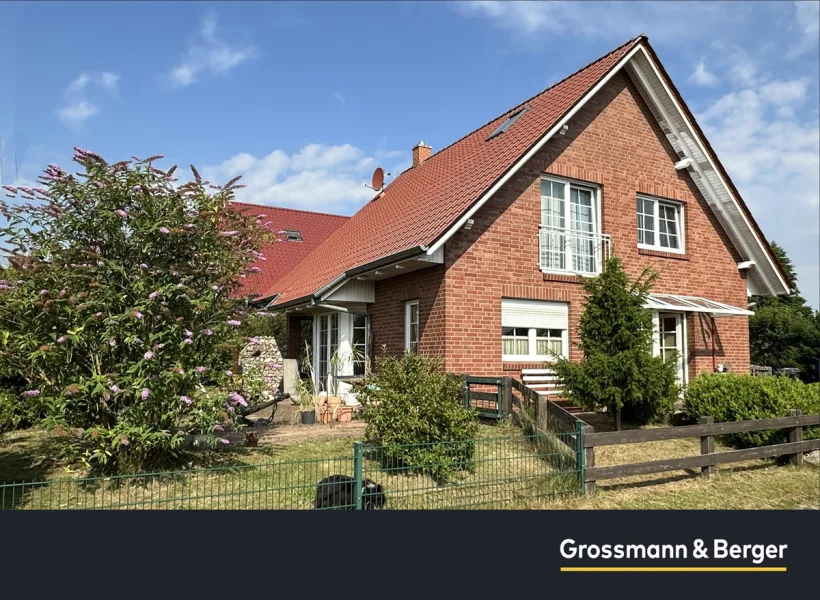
207	52
317	177
702	76
807	16
76	113
340	97
78	107
785	93
667	22
109	81
78	85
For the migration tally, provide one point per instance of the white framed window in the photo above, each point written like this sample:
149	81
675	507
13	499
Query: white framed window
660	224
571	238
411	325
327	343
361	326
533	330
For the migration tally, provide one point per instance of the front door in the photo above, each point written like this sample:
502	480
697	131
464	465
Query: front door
671	341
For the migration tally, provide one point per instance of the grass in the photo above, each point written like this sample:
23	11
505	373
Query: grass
507	472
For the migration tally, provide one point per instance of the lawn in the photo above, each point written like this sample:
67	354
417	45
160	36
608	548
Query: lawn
508	472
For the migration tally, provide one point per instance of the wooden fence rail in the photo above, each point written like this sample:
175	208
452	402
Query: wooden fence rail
706	430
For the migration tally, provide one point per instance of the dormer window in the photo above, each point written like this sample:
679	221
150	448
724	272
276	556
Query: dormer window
292	235
508	123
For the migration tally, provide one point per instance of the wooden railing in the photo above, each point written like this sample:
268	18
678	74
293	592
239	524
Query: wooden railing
706	430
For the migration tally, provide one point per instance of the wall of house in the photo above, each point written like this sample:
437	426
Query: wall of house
614	142
387	313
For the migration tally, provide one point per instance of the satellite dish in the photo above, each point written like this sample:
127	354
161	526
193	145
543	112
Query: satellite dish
377	180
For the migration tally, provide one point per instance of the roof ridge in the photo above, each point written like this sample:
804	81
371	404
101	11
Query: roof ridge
299	210
534	96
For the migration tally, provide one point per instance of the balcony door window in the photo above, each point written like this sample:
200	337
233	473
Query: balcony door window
570	227
327	344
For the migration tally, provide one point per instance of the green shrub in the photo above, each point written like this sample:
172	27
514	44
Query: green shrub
120	305
416	412
618	371
14	413
734	397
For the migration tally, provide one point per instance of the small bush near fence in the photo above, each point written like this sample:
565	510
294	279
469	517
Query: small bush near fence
415	413
509	471
735	397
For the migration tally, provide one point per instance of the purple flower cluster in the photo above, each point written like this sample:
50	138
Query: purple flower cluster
31	393
237	399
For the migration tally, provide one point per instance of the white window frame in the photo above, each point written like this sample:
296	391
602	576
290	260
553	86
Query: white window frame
407	322
532	338
533	347
680	223
568	184
366	341
683	337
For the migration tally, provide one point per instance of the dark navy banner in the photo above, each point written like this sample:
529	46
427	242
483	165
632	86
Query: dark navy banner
617	554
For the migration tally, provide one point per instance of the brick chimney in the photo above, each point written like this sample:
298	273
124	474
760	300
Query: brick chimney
421	152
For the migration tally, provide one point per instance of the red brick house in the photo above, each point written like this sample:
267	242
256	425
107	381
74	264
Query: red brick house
476	253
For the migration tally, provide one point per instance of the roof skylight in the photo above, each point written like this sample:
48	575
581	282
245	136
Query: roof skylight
508	122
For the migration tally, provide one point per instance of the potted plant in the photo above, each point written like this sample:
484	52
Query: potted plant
306	389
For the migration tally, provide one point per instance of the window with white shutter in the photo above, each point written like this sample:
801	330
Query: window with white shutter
533	330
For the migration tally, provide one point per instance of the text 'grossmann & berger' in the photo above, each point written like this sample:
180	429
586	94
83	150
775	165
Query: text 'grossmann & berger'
720	549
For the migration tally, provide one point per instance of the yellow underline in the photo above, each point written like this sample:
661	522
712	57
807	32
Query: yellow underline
674	569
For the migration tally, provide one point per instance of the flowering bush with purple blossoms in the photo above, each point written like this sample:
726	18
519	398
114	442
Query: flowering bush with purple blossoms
120	284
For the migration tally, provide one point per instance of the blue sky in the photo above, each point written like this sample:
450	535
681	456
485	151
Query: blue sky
306	98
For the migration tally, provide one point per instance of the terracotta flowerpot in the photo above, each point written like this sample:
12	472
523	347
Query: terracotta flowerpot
326	416
344	415
333	401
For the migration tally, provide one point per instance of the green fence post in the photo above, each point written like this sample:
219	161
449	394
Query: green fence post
357	472
580	454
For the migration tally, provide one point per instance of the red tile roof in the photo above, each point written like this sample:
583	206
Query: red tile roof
424	201
281	257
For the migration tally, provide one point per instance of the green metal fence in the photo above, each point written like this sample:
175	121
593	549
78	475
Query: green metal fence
497	472
485	395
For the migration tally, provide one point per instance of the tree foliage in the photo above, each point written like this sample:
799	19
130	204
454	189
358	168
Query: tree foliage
618	370
784	331
117	308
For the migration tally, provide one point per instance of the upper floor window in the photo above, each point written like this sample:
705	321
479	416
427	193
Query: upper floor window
571	238
411	326
660	224
293	235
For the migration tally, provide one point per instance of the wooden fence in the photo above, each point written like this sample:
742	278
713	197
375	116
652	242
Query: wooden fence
708	460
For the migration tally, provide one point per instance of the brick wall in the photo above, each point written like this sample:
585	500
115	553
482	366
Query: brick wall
615	142
294	336
387	313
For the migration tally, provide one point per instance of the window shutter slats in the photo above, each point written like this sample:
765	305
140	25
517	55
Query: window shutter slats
534	313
